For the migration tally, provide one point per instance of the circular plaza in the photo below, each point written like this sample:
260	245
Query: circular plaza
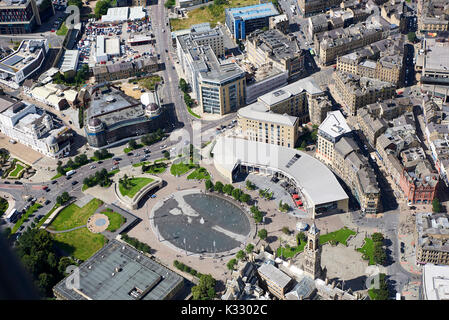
198	223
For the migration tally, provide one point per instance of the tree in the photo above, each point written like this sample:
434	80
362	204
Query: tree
258	217
250	185
209	184
377	237
285	230
205	290
218	186
231	263
301	238
228	189
436	205
64	262
411	37
60	170
183	85
249	248
77	3
382	292
379	254
166	154
240	255
63	198
101	8
262	234
132	144
236	193
245	198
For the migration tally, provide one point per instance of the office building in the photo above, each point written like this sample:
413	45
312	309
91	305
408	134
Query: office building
257	123
432	238
25	62
276	49
34	127
311	7
124	69
218	84
331	130
319	188
120	272
112	116
244	20
277	282
329	45
19	16
398	13
356	91
435	282
419	183
383	60
433	62
433	16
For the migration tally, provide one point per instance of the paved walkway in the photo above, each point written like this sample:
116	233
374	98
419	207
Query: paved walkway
64	231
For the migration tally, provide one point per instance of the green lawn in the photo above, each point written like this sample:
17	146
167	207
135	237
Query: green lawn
178	169
136	185
339	236
199	174
44	218
17	170
113	172
22	219
62	31
150	82
368	250
291	251
74	216
128	149
210	13
116	220
80	243
157	168
193	113
56	176
141	164
95	159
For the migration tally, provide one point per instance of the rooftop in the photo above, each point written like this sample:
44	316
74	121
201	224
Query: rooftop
260	112
273	274
23	57
436	55
120	272
304	85
253	12
334	125
315	180
436	282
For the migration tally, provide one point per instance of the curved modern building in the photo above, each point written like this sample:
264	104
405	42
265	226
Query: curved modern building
316	183
113	116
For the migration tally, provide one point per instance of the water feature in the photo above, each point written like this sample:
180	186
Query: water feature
214	220
100	222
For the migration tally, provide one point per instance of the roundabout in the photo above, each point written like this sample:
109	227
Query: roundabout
196	223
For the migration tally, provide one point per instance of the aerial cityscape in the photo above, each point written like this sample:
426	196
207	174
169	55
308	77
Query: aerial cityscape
224	150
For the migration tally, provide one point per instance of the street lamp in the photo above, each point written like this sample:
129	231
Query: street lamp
185	246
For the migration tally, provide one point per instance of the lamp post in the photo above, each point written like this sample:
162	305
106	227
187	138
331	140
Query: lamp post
215	250
185	246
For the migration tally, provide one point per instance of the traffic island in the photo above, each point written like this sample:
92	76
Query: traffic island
130	191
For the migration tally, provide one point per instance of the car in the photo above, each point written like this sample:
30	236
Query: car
54	181
129	154
7	182
68	177
153	196
114	168
115	162
100	162
116	159
21	228
92	166
402	250
74	182
47	190
166	50
70	122
143	159
402	244
17	182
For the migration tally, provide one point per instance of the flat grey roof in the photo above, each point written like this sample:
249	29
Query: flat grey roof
100	281
307	84
315	180
258	111
275	275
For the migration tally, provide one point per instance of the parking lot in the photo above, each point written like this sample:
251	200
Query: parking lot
126	32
